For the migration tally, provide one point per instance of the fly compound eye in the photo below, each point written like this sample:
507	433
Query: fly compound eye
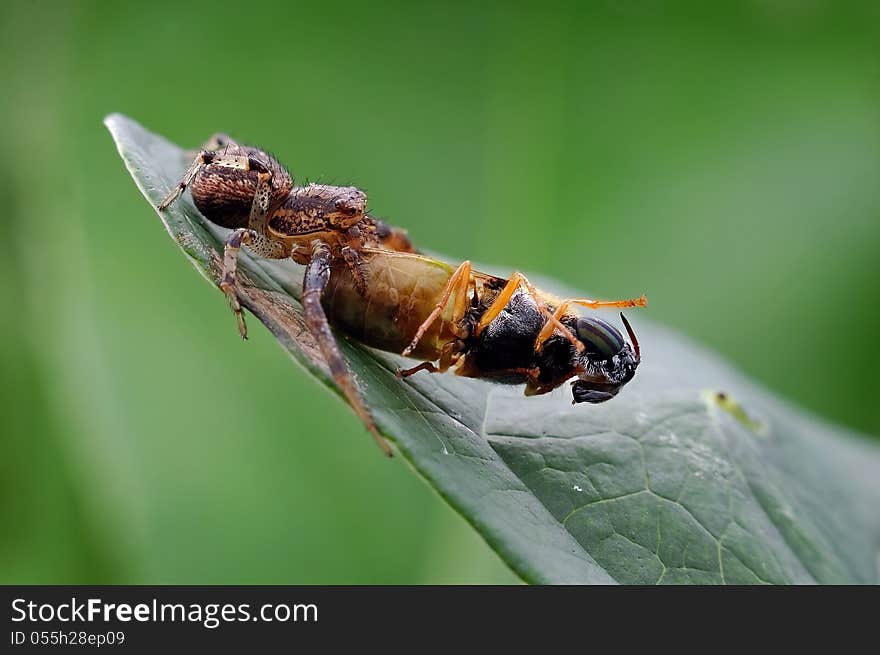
601	339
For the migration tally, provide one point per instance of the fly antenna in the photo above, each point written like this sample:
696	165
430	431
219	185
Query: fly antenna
632	337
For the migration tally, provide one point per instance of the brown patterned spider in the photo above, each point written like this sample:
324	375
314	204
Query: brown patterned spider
249	191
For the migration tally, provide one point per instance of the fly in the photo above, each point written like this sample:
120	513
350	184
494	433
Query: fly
483	326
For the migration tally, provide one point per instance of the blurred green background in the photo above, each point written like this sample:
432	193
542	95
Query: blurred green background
723	158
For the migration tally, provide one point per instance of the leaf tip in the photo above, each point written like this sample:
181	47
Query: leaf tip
112	119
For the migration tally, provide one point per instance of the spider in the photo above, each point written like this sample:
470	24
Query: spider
247	190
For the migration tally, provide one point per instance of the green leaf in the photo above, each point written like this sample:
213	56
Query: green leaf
692	475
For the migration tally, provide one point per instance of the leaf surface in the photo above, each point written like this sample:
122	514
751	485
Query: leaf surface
693	474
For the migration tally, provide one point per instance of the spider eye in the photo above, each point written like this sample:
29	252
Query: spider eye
345	206
601	339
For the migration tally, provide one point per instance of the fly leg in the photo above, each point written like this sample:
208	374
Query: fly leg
424	366
550	326
641	301
563	308
458	283
529	375
317	276
449	356
504	297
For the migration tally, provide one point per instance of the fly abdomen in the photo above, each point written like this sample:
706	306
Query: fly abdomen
401	292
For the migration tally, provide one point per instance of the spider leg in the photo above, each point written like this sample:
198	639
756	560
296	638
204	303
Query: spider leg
231	248
220	142
358	271
254	238
317	276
